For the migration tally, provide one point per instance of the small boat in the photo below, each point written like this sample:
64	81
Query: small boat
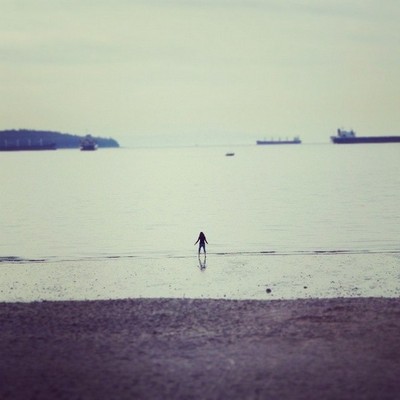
88	144
229	154
349	137
295	140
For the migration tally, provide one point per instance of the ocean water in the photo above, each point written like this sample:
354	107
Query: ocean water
132	205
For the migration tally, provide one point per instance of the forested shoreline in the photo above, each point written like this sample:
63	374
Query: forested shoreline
27	137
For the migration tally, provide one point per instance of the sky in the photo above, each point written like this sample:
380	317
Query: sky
182	72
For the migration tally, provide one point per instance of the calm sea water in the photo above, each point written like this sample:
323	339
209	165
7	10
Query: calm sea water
67	204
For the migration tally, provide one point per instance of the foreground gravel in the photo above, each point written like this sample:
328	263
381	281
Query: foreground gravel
201	349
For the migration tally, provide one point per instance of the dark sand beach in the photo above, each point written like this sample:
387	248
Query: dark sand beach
201	349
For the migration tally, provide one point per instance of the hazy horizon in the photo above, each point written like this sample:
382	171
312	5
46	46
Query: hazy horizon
200	72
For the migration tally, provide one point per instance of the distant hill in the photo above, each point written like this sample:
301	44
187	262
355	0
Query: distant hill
27	137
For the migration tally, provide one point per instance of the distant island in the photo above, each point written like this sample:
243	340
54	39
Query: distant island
27	139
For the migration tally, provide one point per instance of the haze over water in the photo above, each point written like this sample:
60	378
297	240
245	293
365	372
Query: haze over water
153	202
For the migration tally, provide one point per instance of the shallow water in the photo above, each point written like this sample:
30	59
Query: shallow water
68	210
135	202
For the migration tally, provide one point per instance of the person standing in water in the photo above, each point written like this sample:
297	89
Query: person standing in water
202	242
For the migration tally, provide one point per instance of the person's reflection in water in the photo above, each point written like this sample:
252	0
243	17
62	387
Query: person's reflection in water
202	262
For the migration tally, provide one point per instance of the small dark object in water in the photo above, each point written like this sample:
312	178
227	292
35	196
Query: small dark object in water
88	144
268	290
230	154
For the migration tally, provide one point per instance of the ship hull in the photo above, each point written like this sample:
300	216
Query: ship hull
88	148
273	142
365	139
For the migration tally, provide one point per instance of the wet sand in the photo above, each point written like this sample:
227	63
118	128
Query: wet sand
239	277
201	349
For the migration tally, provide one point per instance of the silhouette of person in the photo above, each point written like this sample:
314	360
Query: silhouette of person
202	242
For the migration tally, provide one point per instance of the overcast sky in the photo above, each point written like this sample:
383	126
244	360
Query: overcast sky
198	71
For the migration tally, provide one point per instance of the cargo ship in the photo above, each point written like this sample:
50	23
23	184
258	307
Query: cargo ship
349	137
295	140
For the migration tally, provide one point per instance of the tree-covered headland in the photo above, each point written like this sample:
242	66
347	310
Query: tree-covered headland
27	137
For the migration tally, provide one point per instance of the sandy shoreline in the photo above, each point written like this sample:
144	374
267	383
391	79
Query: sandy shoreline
239	277
201	349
